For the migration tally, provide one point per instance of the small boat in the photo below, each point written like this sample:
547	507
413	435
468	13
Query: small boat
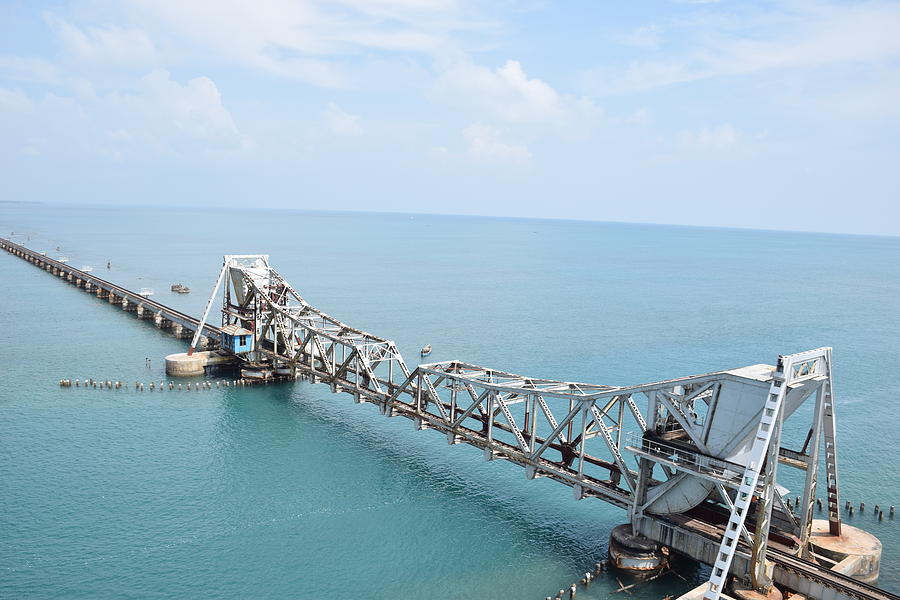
180	289
426	350
87	268
146	292
63	259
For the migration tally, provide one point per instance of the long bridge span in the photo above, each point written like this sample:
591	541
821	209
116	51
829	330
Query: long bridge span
692	460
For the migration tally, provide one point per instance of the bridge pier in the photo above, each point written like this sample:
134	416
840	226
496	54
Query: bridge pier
634	552
198	363
855	552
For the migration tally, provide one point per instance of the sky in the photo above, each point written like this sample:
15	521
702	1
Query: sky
767	114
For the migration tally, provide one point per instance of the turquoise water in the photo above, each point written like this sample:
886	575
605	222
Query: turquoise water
290	492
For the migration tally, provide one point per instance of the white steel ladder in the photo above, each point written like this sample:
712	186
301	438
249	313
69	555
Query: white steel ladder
771	412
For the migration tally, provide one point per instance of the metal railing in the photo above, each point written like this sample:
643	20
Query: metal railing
687	459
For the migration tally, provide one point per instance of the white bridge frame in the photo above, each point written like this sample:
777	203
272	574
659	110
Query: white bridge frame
570	432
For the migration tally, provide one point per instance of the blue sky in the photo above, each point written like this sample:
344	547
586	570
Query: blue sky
778	115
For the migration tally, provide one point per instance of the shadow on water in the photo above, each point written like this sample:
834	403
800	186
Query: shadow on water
584	546
576	539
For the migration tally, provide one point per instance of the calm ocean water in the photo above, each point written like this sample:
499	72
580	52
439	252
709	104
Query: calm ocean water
290	492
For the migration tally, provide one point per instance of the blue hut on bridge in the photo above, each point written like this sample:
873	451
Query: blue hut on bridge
236	339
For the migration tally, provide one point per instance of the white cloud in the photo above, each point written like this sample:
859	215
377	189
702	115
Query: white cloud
716	139
647	36
641	116
105	45
157	115
484	143
34	146
35	70
14	101
508	95
867	101
341	122
325	43
812	36
195	108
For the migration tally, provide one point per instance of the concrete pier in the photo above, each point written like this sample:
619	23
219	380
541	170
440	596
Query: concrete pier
633	552
855	552
199	363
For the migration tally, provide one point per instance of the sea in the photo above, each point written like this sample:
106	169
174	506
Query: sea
289	491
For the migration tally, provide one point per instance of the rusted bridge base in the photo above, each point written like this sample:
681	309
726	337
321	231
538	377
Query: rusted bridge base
176	322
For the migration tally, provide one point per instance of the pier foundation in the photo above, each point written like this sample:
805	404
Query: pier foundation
855	552
634	552
199	363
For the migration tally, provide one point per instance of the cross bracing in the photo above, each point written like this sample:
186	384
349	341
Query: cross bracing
705	443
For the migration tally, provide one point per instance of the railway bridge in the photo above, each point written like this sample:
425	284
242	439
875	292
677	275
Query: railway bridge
693	460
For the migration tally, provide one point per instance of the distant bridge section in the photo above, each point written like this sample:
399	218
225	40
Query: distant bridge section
181	324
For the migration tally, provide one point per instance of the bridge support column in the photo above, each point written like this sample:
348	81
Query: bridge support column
198	363
633	552
857	552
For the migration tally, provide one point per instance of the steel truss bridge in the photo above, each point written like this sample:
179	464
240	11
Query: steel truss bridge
705	449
